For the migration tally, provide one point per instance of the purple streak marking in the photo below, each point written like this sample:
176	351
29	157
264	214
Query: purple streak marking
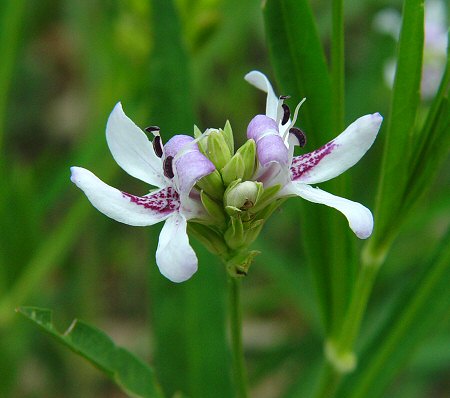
303	164
165	201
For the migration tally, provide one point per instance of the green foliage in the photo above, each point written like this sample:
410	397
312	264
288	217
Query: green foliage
130	373
402	120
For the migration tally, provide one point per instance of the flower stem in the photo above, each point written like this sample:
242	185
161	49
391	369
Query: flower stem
239	370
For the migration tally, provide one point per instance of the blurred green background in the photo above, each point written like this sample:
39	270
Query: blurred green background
63	66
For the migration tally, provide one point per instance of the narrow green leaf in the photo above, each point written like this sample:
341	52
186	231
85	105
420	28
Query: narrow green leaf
11	21
170	94
432	144
419	308
130	373
299	63
300	67
402	119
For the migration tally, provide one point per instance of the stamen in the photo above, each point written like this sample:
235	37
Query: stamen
300	135
152	129
157	146
167	167
286	115
294	118
284	97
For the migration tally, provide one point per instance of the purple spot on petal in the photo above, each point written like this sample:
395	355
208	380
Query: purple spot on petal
303	164
164	201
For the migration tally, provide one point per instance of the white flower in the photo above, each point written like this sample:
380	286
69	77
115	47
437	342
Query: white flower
275	139
173	169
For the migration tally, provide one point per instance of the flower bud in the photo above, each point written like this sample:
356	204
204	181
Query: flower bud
228	135
233	170
212	184
218	150
243	195
214	210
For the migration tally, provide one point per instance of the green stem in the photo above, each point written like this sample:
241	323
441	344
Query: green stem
358	304
239	370
329	382
339	350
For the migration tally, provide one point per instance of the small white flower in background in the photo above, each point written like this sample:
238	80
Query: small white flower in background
173	168
435	46
275	139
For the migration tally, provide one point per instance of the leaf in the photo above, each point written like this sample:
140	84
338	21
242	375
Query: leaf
402	120
129	372
299	64
419	308
170	94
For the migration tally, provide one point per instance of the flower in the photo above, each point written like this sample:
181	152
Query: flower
173	168
275	139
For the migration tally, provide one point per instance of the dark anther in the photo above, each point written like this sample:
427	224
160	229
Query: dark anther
300	135
157	147
286	115
151	129
167	166
284	97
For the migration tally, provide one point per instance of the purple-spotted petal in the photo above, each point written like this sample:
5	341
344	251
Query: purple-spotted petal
175	257
189	163
259	80
132	150
270	146
339	154
359	218
124	207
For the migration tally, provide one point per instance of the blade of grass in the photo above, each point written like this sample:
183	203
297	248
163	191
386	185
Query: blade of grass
299	64
11	21
402	120
418	309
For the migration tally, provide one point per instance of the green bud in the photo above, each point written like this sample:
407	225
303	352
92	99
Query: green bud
248	153
243	195
212	184
228	135
266	197
233	170
218	151
201	143
210	238
234	235
214	209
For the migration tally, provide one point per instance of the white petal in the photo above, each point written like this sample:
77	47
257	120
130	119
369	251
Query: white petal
123	207
132	150
175	257
339	154
259	80
359	217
